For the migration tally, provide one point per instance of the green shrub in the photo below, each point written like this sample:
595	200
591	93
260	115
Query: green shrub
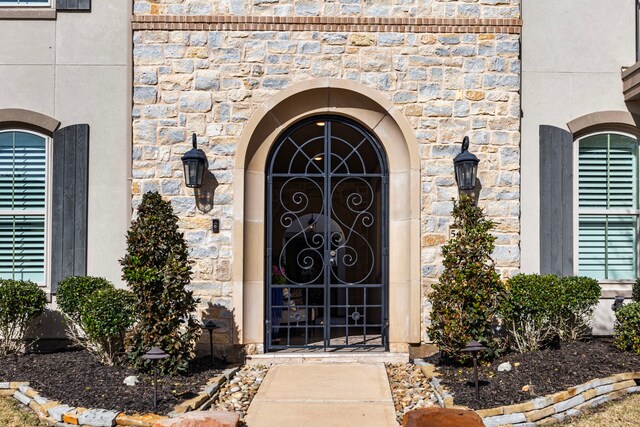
578	297
635	291
528	310
157	270
97	315
627	328
74	291
106	316
465	298
20	302
537	308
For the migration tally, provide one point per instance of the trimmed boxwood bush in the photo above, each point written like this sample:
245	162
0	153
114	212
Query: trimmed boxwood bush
158	272
97	315
106	316
536	308
74	291
627	328
466	296
20	302
578	297
527	310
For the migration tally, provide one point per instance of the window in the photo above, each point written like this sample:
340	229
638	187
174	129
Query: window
608	206
25	2
23	190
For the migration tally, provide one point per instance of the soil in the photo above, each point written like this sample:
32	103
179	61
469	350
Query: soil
541	373
77	378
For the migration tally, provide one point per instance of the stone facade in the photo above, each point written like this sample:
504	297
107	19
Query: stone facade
378	8
447	85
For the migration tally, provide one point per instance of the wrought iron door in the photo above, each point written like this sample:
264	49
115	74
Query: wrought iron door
327	257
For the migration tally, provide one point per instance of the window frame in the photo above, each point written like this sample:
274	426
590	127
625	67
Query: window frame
25	3
48	141
598	211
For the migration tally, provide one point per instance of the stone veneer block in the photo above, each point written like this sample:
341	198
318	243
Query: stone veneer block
491	412
17	385
57	412
31	393
197	401
98	418
40	399
540	414
542	402
604	389
589	394
48	406
22	397
520	407
624	384
627	376
36	408
4	385
138	420
616	394
505	419
214	384
568	404
229	373
72	416
7	392
602	381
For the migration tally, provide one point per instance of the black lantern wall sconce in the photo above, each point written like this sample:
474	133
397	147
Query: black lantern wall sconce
466	167
194	162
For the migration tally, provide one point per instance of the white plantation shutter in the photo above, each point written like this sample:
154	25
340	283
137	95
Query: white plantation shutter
24	2
22	206
608	204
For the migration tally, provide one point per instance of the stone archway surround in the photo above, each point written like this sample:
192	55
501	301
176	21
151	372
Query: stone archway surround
386	122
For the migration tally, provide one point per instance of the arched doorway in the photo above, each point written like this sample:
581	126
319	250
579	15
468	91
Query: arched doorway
326	276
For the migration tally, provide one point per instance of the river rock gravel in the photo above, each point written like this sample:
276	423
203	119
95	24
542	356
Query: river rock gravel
236	395
410	388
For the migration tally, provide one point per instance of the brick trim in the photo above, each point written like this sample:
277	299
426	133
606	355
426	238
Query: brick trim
325	23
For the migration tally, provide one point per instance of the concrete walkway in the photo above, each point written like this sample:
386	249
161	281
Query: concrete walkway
336	395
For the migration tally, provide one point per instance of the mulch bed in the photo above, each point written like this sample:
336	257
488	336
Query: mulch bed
76	378
544	372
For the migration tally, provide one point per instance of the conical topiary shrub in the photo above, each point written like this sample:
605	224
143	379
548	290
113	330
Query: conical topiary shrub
465	299
158	271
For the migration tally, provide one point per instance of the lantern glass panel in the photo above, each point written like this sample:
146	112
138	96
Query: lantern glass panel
193	171
466	174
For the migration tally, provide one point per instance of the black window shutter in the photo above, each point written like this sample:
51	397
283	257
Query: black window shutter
79	5
556	201
69	199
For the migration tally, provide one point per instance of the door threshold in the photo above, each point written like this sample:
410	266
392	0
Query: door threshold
306	356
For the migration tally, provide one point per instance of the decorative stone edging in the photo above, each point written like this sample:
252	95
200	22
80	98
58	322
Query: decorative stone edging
554	407
59	414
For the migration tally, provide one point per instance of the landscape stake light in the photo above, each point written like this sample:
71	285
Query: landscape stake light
194	162
617	303
466	167
209	325
154	355
474	347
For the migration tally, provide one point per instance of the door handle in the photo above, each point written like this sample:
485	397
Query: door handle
332	260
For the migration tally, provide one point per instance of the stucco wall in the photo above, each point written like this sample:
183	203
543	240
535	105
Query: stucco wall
569	68
75	69
572	54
